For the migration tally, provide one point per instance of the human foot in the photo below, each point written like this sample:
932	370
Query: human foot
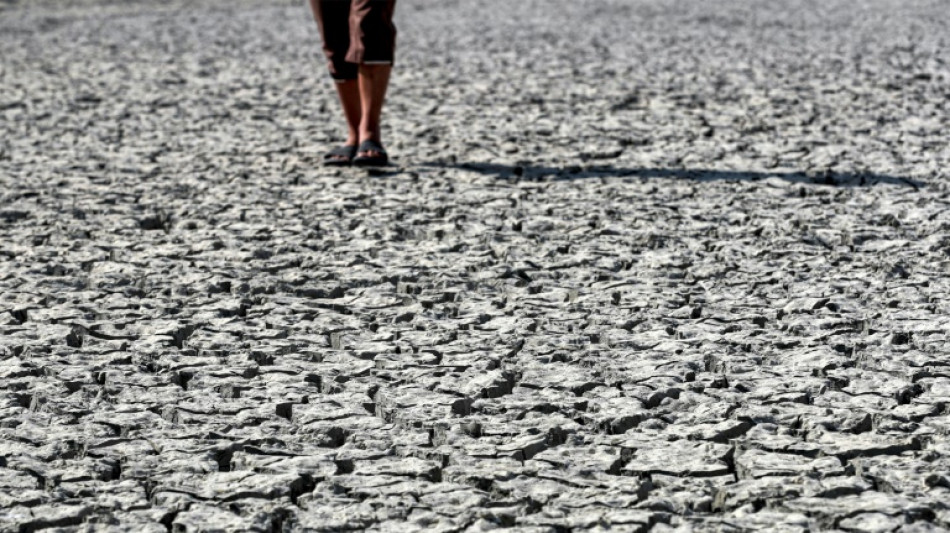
340	156
371	154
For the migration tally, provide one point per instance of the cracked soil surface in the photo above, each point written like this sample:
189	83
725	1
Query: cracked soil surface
637	266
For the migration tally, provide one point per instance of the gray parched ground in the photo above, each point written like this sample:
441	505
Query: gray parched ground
639	265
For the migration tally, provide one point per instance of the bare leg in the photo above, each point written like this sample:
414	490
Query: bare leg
349	93
373	82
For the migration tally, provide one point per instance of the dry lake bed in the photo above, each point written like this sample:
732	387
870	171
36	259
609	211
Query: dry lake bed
637	266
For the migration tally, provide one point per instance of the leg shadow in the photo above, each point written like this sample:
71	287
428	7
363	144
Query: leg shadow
570	173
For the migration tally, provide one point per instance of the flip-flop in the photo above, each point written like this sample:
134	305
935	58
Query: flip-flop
340	157
380	160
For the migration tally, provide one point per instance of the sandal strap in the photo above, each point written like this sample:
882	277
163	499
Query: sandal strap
371	146
348	151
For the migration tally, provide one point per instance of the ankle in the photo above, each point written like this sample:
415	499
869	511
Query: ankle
369	130
370	136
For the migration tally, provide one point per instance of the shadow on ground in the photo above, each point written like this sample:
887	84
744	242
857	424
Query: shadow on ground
836	179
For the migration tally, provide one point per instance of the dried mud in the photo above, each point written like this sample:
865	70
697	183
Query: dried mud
636	266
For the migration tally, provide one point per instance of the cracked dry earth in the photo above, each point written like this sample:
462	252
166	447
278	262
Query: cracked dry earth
638	266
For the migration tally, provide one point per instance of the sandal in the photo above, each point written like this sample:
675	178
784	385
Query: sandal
340	157
379	160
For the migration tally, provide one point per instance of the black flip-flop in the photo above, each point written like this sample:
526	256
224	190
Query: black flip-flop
380	160
340	157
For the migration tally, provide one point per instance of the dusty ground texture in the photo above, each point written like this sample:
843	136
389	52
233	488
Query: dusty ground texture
638	266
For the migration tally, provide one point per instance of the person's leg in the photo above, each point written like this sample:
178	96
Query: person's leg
372	47
351	100
373	82
333	19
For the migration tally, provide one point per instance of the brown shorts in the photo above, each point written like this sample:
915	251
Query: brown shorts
356	32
